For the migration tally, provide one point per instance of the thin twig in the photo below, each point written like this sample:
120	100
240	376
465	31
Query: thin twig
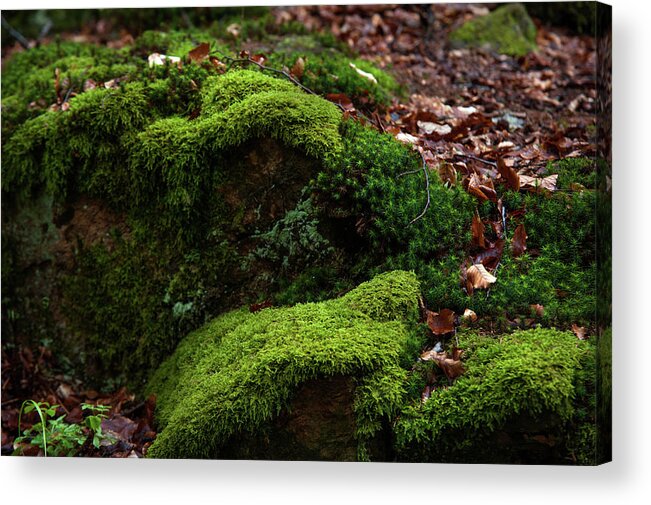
15	34
233	61
470	156
424	168
44	31
409	172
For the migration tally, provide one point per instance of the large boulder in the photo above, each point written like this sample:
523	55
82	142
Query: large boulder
313	381
508	30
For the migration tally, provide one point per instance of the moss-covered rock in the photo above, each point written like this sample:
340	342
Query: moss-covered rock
524	398
208	181
237	374
508	30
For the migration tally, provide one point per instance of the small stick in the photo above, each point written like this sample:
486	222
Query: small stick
470	156
15	34
424	168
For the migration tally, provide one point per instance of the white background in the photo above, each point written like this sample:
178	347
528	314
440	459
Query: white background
627	480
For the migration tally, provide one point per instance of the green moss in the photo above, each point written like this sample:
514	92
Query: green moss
573	171
369	180
328	70
536	380
240	371
508	29
222	92
130	304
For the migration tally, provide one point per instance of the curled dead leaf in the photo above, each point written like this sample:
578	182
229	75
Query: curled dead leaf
580	332
510	176
536	184
519	241
477	277
478	238
451	365
199	53
366	75
469	315
447	173
537	309
442	322
298	68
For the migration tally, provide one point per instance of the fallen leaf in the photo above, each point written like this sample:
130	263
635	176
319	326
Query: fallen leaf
475	187
537	309
428	128
405	137
234	30
89	84
519	241
298	68
580	332
478	238
469	314
537	184
478	277
159	59
366	75
120	427
341	99
510	176
490	257
451	366
447	173
256	307
199	53
442	322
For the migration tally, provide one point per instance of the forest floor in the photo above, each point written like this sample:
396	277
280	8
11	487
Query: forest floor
465	108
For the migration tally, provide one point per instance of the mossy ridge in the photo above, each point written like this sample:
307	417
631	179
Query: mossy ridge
544	375
245	376
328	70
508	29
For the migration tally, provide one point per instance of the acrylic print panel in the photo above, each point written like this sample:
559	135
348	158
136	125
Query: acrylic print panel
344	233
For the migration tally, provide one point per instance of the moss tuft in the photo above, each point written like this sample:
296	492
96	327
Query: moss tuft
529	381
240	371
508	30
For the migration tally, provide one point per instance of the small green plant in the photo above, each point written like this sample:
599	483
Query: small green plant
56	437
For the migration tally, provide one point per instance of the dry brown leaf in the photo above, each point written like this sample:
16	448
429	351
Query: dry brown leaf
537	184
441	323
478	277
478	238
519	241
469	314
298	68
475	187
199	53
510	176
447	173
537	309
580	332
451	366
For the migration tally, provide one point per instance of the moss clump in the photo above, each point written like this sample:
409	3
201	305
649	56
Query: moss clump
240	371
369	182
528	382
508	30
332	72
